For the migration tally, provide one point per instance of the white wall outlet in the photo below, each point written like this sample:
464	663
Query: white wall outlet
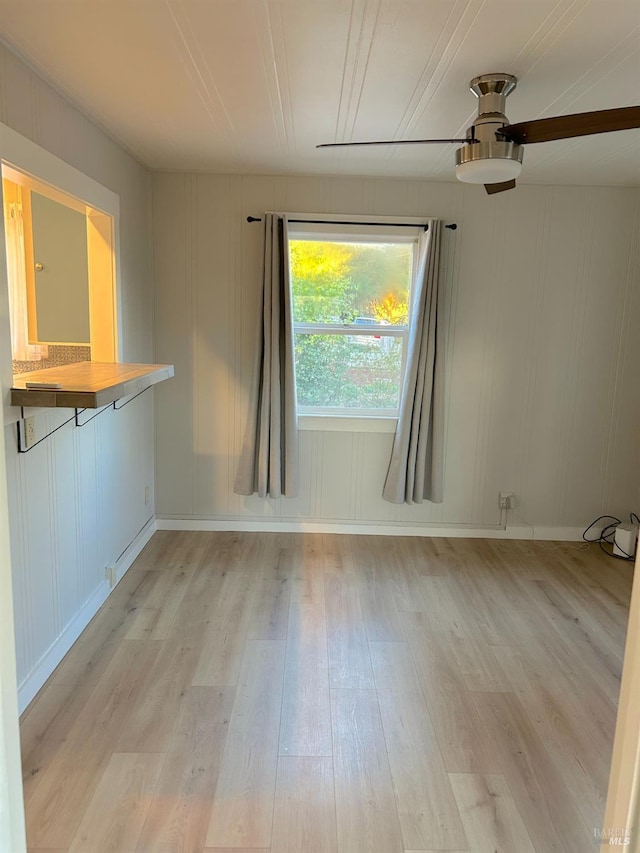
111	574
506	500
29	432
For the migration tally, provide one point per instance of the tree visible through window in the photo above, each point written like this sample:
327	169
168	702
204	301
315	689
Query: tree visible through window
351	301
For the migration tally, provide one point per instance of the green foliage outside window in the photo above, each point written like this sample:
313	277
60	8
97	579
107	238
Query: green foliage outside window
349	283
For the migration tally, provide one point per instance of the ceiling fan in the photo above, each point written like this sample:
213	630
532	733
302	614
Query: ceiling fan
493	149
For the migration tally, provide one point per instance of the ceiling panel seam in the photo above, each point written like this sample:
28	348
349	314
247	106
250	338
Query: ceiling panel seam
454	44
556	31
431	65
280	99
357	55
213	103
596	72
545	31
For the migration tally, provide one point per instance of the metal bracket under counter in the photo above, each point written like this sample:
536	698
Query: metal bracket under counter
23	441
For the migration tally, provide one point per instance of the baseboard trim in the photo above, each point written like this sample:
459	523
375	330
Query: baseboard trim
29	688
469	531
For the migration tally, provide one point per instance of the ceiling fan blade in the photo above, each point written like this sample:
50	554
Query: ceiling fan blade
393	142
565	127
500	188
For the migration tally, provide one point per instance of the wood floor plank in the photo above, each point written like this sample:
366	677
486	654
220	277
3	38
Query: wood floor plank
274	555
58	802
489	814
348	647
402	574
381	615
305	728
366	812
500	593
225	632
158	551
463	739
448	617
541	797
570	666
611	586
161	605
181	806
439	556
551	625
428	812
578	623
415	555
336	553
470	595
152	723
48	849
475	590
228	551
577	747
116	812
307	584
603	604
45	728
86	662
243	808
304	816
270	609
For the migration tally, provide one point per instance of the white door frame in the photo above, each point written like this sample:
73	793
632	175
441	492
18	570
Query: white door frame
12	831
623	802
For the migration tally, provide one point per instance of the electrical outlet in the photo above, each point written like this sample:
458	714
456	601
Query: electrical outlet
506	500
111	574
29	432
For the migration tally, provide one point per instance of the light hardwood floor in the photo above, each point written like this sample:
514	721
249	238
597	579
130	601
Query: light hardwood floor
311	693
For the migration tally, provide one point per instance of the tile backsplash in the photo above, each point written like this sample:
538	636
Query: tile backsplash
58	354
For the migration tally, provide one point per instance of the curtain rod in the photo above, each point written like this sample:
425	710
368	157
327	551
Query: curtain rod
452	227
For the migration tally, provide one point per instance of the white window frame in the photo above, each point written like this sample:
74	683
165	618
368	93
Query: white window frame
351	419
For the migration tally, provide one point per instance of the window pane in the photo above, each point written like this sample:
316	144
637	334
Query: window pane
344	371
347	282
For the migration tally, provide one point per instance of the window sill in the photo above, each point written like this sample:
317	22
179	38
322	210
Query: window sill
346	423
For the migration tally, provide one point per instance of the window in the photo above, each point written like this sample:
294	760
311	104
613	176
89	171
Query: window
351	289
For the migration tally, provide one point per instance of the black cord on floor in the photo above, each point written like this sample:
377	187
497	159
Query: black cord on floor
608	535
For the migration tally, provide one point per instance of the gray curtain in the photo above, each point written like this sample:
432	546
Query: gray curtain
415	469
269	458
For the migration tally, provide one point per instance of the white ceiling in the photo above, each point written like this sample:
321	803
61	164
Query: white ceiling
253	85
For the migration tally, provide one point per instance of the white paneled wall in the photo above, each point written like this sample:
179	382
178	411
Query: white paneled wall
77	500
543	307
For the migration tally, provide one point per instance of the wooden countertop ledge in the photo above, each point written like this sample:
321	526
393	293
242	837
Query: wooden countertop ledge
86	384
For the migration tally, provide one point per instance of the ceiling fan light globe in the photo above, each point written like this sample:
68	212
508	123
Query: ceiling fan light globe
489	162
493	170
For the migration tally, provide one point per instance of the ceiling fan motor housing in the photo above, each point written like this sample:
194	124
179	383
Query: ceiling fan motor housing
489	159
